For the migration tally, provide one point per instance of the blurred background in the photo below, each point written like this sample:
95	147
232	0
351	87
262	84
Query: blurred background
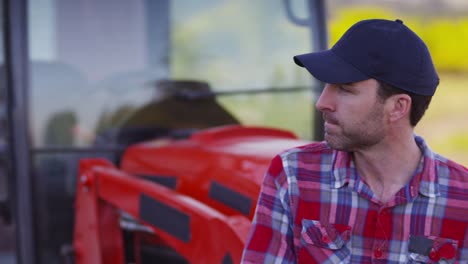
234	46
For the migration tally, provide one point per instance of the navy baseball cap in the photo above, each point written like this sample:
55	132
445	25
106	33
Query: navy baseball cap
385	50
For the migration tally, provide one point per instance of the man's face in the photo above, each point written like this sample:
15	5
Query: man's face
353	115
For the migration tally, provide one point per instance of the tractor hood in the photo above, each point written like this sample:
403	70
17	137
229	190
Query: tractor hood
220	165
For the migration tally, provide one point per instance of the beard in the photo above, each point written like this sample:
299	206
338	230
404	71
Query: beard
361	133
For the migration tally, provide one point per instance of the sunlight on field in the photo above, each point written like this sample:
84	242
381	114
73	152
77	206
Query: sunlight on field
445	125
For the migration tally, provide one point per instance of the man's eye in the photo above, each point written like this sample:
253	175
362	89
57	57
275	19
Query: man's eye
344	89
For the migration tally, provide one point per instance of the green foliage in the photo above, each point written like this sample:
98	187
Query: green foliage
59	129
446	37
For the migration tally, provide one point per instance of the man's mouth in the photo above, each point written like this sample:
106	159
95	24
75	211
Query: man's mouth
330	120
329	127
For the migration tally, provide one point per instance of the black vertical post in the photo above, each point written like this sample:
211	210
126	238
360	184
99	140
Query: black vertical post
158	35
319	41
17	75
316	23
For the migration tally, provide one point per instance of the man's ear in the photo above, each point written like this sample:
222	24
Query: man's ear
399	106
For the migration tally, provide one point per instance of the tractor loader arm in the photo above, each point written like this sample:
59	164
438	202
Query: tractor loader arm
106	196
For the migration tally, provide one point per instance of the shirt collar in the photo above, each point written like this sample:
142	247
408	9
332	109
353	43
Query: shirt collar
425	179
341	169
429	181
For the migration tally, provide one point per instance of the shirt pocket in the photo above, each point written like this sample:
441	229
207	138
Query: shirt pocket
432	249
325	235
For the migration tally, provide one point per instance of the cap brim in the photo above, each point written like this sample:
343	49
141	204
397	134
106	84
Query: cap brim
327	67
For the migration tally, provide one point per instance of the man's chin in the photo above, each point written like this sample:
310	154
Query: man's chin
333	143
330	140
334	146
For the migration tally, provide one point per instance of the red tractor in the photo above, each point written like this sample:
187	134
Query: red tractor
176	194
176	200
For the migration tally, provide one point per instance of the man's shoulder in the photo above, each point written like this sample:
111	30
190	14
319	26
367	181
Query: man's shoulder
315	148
441	166
313	154
451	176
454	169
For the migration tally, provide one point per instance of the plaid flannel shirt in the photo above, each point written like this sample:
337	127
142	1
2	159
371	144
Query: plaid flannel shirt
315	208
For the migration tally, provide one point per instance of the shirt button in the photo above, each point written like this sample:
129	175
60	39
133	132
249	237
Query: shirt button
433	255
325	239
446	251
378	253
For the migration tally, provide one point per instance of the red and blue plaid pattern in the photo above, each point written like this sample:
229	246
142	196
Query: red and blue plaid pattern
314	208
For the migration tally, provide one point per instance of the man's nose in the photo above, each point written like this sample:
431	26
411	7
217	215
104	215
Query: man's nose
325	101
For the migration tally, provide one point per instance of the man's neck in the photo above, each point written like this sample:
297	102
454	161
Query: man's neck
388	166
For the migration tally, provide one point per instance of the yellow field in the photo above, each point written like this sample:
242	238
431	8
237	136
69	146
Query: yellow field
445	125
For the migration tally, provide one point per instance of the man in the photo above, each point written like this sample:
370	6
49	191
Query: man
373	192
